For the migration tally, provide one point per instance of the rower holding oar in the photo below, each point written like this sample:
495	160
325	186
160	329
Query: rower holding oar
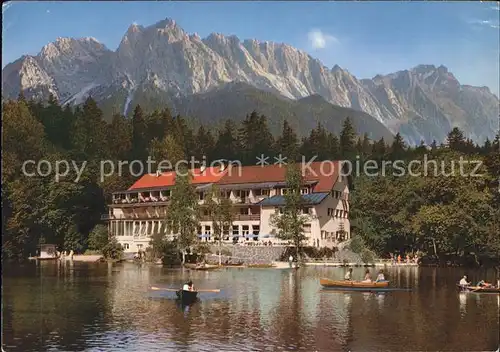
156	288
188	286
463	282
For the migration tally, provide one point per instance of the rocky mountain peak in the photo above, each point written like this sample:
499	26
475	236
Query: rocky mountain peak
166	23
422	102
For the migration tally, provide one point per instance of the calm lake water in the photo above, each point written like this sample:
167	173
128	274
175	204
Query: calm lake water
99	307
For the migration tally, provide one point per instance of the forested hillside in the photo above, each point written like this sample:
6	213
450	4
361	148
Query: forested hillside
438	215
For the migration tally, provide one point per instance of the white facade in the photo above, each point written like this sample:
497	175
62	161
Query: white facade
135	215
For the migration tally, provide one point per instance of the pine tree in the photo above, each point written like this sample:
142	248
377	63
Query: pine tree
287	144
227	146
255	138
348	140
184	135
89	132
379	150
398	148
333	148
456	140
139	134
205	145
319	145
119	137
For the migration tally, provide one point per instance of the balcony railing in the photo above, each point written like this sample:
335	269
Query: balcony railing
133	217
237	217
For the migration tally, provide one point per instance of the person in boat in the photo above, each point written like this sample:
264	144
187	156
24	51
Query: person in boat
188	286
464	282
380	276
348	275
368	276
484	284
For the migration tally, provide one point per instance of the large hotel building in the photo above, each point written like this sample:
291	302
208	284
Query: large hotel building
256	192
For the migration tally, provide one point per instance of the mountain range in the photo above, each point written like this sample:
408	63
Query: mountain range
222	76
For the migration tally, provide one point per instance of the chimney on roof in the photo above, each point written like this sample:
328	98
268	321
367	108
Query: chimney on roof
203	168
157	173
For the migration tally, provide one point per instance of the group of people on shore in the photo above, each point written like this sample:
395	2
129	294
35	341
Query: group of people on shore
368	276
398	260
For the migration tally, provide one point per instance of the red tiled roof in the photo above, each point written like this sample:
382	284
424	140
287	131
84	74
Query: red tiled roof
167	179
325	172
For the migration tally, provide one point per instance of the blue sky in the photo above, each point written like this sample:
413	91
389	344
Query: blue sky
366	38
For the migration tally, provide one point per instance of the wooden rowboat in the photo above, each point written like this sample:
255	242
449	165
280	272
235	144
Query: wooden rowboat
187	297
206	267
478	289
353	285
201	267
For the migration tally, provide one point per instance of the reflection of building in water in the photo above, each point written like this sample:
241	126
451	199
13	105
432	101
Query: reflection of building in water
311	306
269	295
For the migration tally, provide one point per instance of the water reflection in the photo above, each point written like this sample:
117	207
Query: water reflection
96	307
463	302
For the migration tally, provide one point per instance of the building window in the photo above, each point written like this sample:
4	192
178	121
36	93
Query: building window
261	192
126	246
304	191
199	230
244	211
206	212
330	211
245	229
139	246
236	230
336	194
336	213
307	228
306	210
201	195
208	230
255	229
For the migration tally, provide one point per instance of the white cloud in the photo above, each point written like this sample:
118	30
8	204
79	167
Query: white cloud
320	40
48	11
488	23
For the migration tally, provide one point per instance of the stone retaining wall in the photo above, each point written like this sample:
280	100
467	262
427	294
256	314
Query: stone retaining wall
266	255
246	254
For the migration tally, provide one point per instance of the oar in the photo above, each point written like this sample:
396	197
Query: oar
154	288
